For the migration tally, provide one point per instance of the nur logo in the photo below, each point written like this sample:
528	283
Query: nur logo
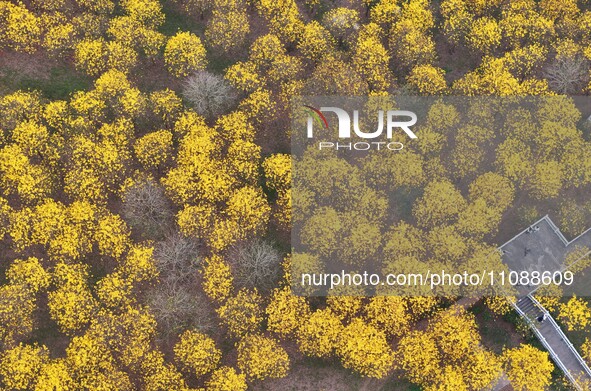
394	119
344	120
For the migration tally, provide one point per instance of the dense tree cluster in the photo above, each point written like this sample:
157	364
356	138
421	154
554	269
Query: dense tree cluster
144	220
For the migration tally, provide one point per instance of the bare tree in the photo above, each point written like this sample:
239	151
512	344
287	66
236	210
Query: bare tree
147	210
177	259
177	308
209	94
568	75
256	264
175	300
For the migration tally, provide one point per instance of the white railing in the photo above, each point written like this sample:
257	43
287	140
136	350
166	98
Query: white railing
551	320
524	231
562	335
556	230
553	354
580	236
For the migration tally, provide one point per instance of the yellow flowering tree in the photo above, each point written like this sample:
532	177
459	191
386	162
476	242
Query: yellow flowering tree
277	170
71	304
16	313
228	27
21	29
218	280
93	366
30	181
184	53
166	105
54	375
485	35
318	336
427	80
286	312
28	272
242	314
90	56
112	236
364	349
586	350
226	379
528	368
441	202
283	17
419	356
371	59
315	41
154	149
197	353
261	357
575	314
158	375
389	314
20	366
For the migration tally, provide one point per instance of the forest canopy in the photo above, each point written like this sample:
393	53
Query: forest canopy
146	190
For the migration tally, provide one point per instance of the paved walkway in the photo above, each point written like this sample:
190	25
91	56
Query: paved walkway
540	247
549	333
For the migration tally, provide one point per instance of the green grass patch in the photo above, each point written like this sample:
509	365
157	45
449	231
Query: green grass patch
60	83
397	384
176	20
493	328
219	64
401	202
